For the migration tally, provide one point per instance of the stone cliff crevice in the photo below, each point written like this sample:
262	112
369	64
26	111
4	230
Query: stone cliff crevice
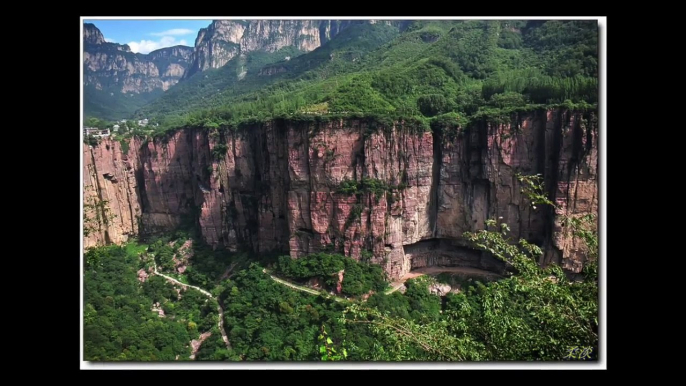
275	186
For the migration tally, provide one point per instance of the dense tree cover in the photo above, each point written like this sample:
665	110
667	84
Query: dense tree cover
112	104
537	314
533	314
416	303
265	320
119	324
429	69
269	321
205	264
359	278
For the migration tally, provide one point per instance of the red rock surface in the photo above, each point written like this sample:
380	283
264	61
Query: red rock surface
275	188
339	282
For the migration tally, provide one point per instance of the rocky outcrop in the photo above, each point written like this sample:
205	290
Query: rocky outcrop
114	68
277	186
439	289
196	343
224	40
92	35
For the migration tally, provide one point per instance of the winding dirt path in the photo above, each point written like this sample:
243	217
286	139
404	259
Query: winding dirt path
301	288
220	310
396	285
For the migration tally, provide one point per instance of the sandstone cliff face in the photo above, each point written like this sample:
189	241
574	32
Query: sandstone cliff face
113	67
276	187
110	195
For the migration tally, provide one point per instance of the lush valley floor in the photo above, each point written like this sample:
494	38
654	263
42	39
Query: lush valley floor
272	312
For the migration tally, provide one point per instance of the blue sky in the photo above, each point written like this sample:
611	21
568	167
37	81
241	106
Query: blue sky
148	35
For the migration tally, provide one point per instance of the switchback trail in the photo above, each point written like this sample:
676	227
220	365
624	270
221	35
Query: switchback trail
220	310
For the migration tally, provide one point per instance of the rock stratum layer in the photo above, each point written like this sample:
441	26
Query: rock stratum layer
276	187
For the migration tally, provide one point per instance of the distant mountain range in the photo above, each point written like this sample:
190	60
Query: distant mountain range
117	81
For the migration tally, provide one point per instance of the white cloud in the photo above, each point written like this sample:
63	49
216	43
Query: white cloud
174	32
109	40
145	46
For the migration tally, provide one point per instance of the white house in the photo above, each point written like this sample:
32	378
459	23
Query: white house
94	131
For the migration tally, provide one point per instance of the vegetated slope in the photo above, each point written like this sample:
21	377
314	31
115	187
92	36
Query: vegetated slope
429	69
112	105
536	314
254	70
121	321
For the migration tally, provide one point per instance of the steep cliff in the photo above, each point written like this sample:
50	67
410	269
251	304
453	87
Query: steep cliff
117	79
289	186
92	35
224	40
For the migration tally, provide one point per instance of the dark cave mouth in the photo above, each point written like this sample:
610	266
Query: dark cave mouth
448	253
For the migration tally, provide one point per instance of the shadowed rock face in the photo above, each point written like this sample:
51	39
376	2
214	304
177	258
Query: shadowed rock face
276	187
448	253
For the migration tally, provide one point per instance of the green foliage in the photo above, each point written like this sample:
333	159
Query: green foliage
266	320
433	104
118	322
539	88
327	350
91	140
205	265
347	187
429	69
357	95
437	74
585	227
124	146
424	306
355	214
112	104
359	278
532	188
367	185
399	339
536	314
374	186
567	47
219	151
366	255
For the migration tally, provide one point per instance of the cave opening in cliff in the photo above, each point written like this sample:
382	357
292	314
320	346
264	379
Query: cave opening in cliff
437	254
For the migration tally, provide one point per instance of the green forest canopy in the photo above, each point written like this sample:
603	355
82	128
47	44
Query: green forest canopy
432	68
535	314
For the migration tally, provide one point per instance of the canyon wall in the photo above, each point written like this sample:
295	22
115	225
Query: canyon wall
277	186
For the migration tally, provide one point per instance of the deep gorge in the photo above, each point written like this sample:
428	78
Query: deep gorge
276	186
